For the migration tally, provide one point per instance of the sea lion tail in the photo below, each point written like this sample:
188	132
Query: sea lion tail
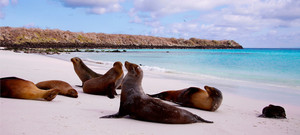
51	94
203	120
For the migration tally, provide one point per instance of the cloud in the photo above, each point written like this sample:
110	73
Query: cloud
30	25
3	3
158	8
236	10
95	6
220	19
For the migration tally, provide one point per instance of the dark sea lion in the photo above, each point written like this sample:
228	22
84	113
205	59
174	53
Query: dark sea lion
273	111
13	87
63	87
209	99
83	71
138	105
106	84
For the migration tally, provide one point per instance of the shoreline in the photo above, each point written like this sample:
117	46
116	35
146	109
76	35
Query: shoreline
109	46
63	115
253	89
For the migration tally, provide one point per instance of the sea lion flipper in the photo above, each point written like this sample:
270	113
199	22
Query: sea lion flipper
79	86
117	115
158	95
50	95
190	91
184	97
203	120
120	114
12	78
111	90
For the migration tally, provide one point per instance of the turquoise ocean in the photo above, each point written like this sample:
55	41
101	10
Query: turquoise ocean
270	66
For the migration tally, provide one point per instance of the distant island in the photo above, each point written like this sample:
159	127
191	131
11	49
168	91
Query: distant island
55	38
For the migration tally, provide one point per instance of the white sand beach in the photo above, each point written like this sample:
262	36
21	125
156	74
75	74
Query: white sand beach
78	116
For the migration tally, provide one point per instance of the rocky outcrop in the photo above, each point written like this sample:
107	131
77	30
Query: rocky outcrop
54	38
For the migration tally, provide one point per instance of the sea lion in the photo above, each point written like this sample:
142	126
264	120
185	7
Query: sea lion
106	84
83	72
138	105
13	87
273	111
209	99
63	87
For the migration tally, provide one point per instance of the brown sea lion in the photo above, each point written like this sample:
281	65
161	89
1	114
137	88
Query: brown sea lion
209	99
63	87
273	111
13	87
106	84
82	71
138	105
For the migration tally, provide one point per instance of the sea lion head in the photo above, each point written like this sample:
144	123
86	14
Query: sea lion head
133	70
76	60
216	96
72	93
118	64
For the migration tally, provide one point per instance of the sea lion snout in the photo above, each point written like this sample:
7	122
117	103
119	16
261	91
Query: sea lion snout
127	64
74	59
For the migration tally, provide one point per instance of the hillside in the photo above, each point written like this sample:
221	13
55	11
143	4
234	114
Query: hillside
54	38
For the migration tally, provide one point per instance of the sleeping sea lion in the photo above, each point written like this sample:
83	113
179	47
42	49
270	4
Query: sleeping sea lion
83	72
63	87
273	111
209	99
138	105
106	84
13	87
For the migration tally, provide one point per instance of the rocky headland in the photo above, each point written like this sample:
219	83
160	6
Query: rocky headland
54	38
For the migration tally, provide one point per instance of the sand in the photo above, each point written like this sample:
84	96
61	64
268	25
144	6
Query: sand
77	116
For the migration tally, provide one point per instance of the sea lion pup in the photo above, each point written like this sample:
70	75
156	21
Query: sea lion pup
209	99
138	105
106	84
13	87
63	87
83	72
273	111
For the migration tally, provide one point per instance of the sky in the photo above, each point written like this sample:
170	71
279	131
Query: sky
251	23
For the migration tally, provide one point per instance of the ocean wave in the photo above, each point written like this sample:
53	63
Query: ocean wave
153	68
144	67
105	63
